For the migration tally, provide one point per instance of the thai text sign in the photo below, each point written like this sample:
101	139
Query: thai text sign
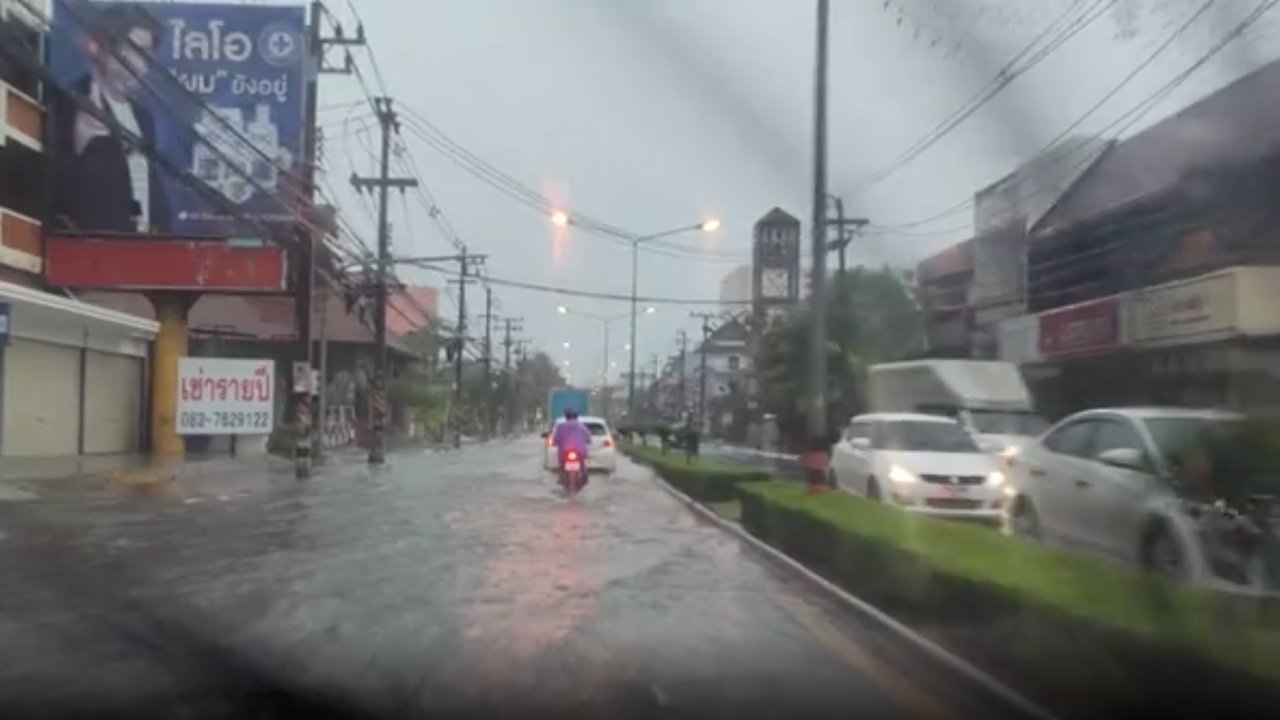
176	118
1085	327
220	396
1189	310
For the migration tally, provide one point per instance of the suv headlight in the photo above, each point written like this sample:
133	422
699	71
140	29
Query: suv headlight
995	479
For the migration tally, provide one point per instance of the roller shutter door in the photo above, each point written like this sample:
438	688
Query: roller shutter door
41	399
112	403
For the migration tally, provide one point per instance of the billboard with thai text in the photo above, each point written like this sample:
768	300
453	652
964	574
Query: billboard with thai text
176	117
221	396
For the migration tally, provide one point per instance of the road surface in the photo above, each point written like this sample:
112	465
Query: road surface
454	581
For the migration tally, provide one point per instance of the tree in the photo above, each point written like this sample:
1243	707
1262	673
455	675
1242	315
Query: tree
871	318
535	377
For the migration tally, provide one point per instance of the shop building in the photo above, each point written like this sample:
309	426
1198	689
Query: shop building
1152	279
72	375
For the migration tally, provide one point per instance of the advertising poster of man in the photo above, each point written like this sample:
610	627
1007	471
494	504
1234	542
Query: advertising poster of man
176	118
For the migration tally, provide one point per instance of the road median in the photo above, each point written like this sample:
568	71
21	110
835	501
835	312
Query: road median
1077	634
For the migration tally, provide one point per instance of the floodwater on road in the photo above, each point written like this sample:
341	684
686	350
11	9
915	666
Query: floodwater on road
444	581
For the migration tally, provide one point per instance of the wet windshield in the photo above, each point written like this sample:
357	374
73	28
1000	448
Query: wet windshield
993	422
923	437
420	231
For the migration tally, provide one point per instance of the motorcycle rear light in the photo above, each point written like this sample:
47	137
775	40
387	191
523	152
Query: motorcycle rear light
571	455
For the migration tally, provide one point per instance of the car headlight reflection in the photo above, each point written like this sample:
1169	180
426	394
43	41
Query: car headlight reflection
901	475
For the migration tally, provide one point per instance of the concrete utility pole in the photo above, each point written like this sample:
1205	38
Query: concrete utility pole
521	353
814	460
682	340
509	325
488	396
383	183
847	229
702	363
469	265
308	441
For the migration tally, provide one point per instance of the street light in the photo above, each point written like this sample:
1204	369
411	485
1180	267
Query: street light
605	322
562	219
566	345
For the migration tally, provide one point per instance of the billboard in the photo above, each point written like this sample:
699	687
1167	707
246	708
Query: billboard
155	91
222	396
1090	326
86	262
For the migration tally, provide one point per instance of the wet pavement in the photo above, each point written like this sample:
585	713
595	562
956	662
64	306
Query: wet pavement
456	581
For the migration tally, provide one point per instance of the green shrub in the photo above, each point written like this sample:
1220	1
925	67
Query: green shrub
924	570
702	479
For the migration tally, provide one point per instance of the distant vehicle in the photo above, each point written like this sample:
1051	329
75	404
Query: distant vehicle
989	398
602	456
920	463
564	398
1102	480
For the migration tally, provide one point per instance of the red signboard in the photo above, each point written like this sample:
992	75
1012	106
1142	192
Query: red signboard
1080	328
139	264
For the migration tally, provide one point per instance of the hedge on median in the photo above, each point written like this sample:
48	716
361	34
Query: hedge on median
702	479
1143	632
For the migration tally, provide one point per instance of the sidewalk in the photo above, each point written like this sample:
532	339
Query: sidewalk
191	480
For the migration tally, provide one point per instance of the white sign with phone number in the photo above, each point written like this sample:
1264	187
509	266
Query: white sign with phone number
223	396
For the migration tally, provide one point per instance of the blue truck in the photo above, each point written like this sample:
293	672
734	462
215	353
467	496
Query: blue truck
563	398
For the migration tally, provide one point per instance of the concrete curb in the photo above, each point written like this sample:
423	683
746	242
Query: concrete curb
952	662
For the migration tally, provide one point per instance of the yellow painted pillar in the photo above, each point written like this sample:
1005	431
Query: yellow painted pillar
170	345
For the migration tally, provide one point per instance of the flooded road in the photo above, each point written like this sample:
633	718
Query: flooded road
456	581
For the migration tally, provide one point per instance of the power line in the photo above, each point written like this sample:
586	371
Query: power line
1004	77
1132	116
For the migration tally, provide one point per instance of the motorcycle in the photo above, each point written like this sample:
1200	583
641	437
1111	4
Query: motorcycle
573	475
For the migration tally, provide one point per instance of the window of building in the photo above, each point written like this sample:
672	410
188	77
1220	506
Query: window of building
22	57
735	362
22	183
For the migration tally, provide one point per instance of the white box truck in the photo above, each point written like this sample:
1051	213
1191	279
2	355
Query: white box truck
988	397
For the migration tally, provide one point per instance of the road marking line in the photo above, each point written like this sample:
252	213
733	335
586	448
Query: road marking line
904	692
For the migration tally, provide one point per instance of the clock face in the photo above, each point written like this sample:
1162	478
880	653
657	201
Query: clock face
774	283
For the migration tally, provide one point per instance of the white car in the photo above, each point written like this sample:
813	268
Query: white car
1101	480
922	463
602	456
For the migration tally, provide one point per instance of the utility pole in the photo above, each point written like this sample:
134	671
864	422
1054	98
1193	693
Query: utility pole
488	361
509	325
846	227
682	338
702	364
520	347
308	442
383	183
468	265
814	460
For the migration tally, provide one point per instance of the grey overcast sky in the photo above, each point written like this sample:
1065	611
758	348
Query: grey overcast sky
657	114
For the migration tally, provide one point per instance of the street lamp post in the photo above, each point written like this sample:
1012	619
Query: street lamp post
563	219
605	322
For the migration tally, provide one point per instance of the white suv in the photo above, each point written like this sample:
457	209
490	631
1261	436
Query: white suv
601	456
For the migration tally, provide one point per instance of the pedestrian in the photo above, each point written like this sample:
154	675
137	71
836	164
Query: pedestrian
690	442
